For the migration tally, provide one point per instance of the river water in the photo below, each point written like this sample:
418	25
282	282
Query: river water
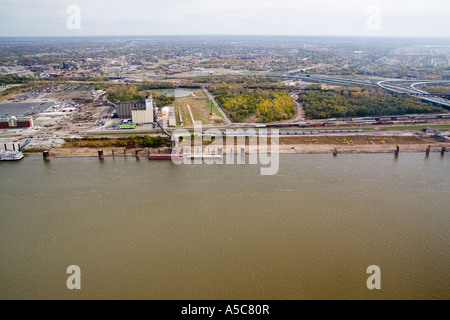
153	230
177	93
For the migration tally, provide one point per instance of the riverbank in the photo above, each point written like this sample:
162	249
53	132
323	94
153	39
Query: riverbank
283	149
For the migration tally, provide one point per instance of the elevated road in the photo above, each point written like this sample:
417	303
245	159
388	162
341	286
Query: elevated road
409	87
406	87
329	79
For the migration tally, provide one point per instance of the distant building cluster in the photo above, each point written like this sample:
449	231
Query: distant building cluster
15	122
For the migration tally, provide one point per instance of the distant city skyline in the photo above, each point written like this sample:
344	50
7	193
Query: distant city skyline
387	18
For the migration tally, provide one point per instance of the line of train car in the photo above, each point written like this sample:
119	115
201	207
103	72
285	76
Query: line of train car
364	121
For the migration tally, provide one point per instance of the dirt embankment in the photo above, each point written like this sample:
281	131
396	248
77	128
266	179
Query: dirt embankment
360	144
360	140
294	145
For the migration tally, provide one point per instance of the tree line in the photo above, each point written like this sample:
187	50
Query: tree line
12	79
441	91
135	92
122	142
359	102
254	105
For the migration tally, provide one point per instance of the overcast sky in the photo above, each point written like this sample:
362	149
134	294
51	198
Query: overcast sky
411	18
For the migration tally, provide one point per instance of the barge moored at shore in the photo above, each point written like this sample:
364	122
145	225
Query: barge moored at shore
11	155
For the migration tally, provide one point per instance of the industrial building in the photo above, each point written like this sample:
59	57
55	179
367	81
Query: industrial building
16	122
142	116
168	115
139	112
124	108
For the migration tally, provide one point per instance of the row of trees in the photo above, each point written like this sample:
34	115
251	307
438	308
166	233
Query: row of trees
12	79
125	142
441	91
149	85
359	102
256	105
135	92
246	80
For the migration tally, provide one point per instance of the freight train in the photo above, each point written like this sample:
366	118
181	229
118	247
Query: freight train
364	121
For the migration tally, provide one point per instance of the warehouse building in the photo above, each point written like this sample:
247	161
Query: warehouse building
16	122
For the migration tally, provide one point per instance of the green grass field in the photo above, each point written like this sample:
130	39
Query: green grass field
200	108
126	133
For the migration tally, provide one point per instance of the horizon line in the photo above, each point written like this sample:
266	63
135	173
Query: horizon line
232	35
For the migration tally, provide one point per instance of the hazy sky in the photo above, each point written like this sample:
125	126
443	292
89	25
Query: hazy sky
250	17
